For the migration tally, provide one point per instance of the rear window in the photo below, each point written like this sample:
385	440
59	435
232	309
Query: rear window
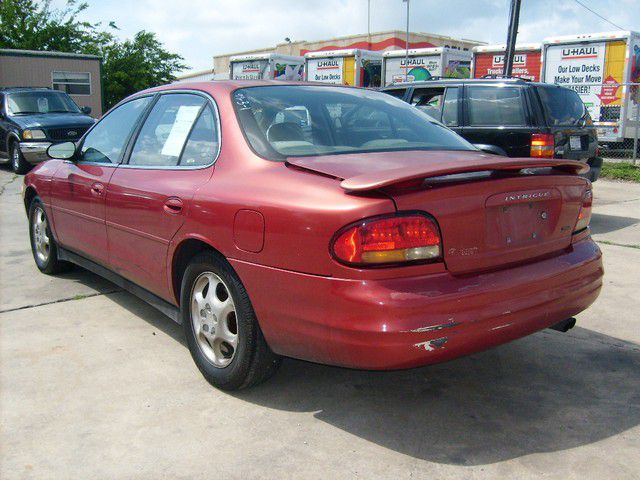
291	120
562	106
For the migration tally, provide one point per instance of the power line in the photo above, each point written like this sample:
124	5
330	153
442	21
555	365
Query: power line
598	15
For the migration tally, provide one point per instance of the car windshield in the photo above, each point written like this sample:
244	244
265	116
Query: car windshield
563	106
308	120
41	101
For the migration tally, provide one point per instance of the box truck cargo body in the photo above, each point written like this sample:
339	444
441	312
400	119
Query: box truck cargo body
601	67
489	60
425	63
266	66
356	67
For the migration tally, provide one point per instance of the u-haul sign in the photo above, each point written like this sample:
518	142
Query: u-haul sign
519	60
579	67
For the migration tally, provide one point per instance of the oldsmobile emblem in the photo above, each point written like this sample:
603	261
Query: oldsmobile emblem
72	133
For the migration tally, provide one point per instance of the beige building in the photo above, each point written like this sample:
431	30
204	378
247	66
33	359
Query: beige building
78	75
379	41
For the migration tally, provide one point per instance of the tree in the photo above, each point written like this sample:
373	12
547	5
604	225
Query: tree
128	66
134	65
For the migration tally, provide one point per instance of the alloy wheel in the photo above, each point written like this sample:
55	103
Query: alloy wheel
213	319
40	236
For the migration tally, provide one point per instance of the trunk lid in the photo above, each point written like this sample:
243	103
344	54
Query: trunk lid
487	220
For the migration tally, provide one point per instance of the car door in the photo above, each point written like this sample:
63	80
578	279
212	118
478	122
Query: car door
148	197
497	115
78	189
442	103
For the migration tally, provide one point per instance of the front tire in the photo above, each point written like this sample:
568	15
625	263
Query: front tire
220	326
18	163
43	245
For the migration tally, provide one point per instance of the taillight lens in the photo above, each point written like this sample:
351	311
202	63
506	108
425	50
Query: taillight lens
389	240
542	145
585	212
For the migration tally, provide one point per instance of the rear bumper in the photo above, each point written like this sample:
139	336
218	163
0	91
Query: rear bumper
408	322
34	152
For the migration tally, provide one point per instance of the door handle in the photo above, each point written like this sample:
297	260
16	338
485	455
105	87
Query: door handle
97	189
173	205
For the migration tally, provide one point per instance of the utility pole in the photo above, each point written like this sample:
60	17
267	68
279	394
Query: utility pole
406	46
514	19
369	22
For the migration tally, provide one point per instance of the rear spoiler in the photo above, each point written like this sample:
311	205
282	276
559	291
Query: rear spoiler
386	178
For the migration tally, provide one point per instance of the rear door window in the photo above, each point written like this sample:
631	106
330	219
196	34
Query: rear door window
164	133
562	106
450	107
429	100
396	92
495	106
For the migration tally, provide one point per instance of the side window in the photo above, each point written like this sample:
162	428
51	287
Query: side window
106	141
429	100
495	106
450	107
165	131
396	92
202	145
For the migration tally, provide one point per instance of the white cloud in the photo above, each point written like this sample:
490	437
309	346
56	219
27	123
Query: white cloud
199	29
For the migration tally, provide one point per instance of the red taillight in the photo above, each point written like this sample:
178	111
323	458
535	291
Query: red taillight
397	239
542	145
584	217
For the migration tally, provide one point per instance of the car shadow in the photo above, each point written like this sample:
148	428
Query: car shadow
601	223
547	392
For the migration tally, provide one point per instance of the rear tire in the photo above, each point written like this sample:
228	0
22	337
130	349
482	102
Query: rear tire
220	326
18	163
43	245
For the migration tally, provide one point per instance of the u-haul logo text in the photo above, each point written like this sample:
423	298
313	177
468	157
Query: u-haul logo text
579	52
519	60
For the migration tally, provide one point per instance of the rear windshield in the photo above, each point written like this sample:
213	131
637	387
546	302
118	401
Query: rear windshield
562	106
291	120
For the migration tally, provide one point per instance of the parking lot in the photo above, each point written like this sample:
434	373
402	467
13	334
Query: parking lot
96	384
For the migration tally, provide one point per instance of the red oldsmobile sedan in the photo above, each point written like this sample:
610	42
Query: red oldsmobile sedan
331	224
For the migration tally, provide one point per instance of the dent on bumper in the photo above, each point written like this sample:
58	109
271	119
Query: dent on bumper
408	322
34	152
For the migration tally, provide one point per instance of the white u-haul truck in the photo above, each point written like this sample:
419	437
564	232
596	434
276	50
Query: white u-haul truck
601	67
356	67
266	66
424	64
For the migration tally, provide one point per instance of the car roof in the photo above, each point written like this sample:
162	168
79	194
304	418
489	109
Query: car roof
484	81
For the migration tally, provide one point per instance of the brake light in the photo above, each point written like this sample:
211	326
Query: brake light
389	240
542	145
584	217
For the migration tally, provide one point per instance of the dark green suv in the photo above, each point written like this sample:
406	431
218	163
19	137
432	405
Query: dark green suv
31	119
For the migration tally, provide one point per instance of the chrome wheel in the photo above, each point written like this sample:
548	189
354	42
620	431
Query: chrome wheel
16	159
213	319
40	235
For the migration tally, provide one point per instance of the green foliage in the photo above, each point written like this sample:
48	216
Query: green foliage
620	171
134	65
128	66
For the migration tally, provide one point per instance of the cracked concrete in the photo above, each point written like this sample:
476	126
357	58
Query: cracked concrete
96	384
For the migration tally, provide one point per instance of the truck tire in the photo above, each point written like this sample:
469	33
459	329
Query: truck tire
18	163
220	326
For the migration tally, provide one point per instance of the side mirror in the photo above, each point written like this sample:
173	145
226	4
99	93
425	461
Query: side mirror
62	151
86	110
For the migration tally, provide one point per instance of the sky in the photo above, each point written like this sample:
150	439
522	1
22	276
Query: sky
200	29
